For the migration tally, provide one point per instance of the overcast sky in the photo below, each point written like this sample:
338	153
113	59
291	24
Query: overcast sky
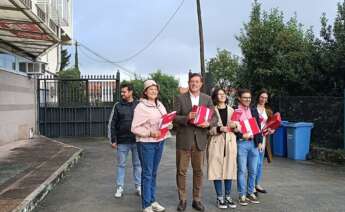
119	28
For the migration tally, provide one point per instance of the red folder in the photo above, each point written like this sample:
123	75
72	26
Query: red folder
236	115
203	114
250	126
274	121
165	122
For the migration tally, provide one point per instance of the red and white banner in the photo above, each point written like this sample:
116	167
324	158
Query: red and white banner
250	126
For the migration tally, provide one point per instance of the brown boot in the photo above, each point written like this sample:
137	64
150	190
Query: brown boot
182	205
197	205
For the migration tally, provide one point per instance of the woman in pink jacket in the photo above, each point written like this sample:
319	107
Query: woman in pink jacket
145	125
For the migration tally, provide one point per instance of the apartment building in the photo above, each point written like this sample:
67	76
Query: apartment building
31	35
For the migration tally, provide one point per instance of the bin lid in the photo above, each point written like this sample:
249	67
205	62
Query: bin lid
300	124
284	123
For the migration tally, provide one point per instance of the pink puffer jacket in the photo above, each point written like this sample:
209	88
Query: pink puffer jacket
146	119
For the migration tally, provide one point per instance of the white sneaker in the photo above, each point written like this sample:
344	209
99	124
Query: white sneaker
148	209
138	190
119	192
157	207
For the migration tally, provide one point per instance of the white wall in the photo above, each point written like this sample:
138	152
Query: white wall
17	107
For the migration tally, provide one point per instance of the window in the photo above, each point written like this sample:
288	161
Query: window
22	64
22	67
7	61
30	67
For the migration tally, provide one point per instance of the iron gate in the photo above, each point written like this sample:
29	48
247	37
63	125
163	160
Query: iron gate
76	107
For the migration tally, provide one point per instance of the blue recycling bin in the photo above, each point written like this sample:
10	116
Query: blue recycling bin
298	139
279	141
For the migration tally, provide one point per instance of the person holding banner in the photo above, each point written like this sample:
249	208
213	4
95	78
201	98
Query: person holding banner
249	143
222	151
191	139
146	126
265	113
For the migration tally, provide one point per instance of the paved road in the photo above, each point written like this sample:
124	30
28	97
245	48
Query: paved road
292	186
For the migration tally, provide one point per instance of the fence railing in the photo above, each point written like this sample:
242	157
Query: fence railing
76	107
84	91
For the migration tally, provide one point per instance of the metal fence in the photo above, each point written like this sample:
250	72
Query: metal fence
327	114
76	107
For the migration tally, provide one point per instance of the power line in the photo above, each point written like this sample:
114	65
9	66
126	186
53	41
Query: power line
129	72
98	61
154	38
83	52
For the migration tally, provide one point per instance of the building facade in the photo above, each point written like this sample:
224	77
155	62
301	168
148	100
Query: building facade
31	35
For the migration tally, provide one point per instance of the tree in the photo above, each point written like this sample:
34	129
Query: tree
223	68
168	88
70	73
70	92
65	59
330	55
277	54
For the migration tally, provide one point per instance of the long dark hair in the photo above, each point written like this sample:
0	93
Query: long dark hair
267	105
215	98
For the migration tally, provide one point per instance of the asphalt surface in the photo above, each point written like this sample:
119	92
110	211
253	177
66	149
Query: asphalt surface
291	185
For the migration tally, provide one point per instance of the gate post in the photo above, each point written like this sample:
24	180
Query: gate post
38	99
117	86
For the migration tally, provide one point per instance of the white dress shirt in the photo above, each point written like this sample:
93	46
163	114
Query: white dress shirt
194	99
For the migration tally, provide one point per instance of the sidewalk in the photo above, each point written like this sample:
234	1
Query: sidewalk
292	186
30	169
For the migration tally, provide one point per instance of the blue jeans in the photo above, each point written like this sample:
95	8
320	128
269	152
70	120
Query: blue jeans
247	160
122	153
259	171
150	155
219	189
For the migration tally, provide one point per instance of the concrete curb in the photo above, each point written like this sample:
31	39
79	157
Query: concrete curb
32	200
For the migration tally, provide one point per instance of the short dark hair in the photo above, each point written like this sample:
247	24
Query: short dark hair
195	75
215	98
127	85
242	91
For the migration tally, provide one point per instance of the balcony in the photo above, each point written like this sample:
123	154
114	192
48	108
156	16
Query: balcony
26	29
53	26
40	13
27	3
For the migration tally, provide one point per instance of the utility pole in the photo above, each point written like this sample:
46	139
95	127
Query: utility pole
76	60
201	39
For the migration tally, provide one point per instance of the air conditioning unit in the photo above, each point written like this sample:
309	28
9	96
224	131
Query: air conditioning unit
34	68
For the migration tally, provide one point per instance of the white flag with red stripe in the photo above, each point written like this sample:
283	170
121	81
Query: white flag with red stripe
250	126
